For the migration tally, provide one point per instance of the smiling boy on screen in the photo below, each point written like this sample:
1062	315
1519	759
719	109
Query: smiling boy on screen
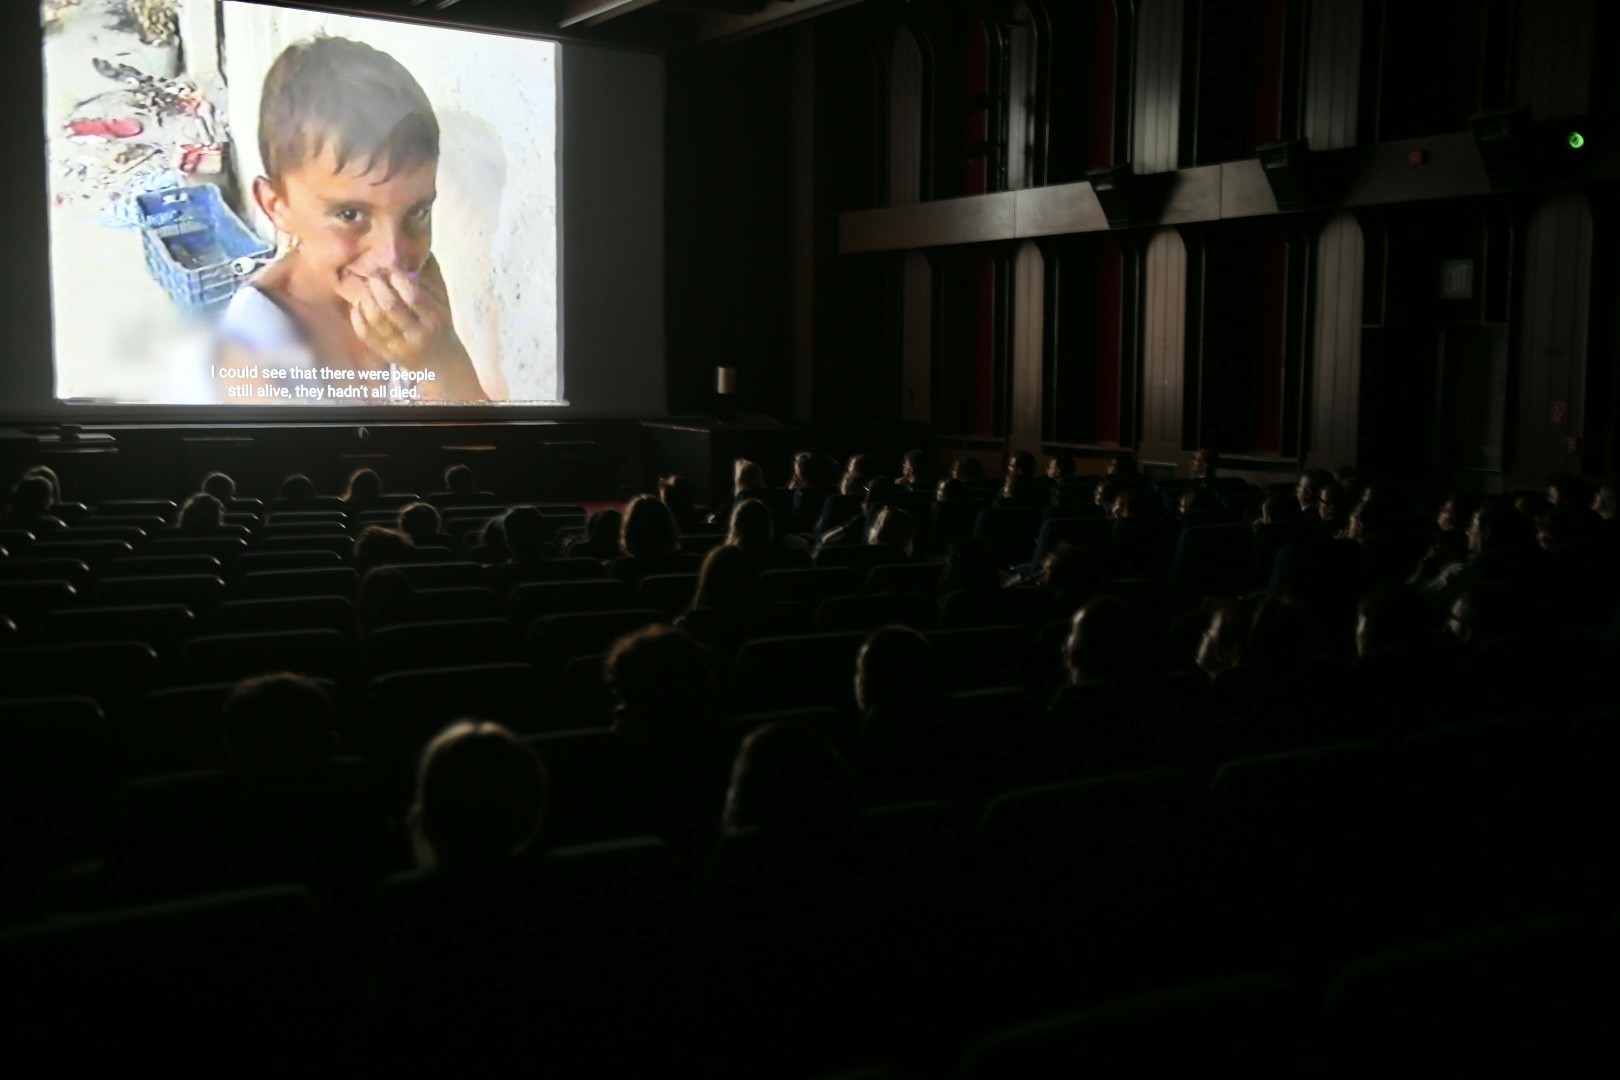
350	147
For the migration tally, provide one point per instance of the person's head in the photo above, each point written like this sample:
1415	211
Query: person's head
1370	520
1483	612
879	492
492	538
378	545
1071	573
526	534
1222	644
420	521
220	486
914	467
31	498
1305	490
1120	505
602	530
350	150
1122	464
728	581
1328	499
861	465
47	474
1496	526
1455	514
458	480
1206	462
1021	464
970	563
804	469
278	726
967	469
1276	509
480	797
747	476
677	493
649	528
1197	501
786	777
364	486
1060	466
951	489
201	512
385	596
296	486
1392	618
893	526
1278	636
751	526
895	666
1604	502
1566	491
1105	640
662	690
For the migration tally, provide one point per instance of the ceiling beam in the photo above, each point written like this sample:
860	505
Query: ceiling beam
722	27
597	12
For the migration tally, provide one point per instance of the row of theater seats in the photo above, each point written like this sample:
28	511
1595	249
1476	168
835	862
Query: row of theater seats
1417	895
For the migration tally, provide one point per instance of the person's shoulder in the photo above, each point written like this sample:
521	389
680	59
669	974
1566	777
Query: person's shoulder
254	320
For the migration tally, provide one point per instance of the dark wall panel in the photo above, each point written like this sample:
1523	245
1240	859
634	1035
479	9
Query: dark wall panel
1334	408
1164	344
1330	113
1555	56
1553	336
1156	106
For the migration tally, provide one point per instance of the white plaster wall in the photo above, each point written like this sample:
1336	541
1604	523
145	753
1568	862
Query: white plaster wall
495	222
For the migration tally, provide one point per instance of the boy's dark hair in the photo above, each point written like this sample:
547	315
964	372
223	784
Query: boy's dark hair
332	92
728	581
458	479
751	525
420	521
278	724
220	486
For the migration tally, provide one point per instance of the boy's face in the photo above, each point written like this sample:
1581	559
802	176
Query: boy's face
353	223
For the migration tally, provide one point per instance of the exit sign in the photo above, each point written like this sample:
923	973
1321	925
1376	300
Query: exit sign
1457	279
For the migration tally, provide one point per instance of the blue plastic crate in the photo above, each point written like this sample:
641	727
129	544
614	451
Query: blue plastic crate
196	247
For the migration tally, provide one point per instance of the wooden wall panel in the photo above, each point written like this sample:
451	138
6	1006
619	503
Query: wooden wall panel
1554	69
1156	103
1334	385
916	337
1164	345
1330	113
1553	325
906	121
802	198
1028	353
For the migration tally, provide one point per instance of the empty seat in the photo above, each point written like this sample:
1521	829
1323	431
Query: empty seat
26	602
162	626
161	508
858	557
556	639
669	593
315	581
532	599
75	572
446	575
223	548
701	543
455	603
277	528
328	503
976	657
115	673
286	613
410	706
251	561
94	552
61	762
149	565
444	643
810	587
806	669
245	965
1250	1019
917	577
866	613
199	592
178	729
339	544
305	652
130	534
449	499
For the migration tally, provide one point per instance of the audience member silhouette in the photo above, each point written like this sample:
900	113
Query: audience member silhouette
650	542
30	506
296	488
278	727
220	486
480	797
601	538
893	527
913	472
422	523
788	779
363	490
729	604
748	482
201	513
48	474
676	493
378	545
526	541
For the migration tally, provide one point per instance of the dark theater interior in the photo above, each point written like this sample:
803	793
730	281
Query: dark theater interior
823	539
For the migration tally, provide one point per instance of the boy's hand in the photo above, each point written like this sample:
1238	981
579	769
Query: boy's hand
406	319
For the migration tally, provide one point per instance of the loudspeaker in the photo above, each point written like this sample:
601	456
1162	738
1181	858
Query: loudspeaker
1116	189
1504	139
1287	166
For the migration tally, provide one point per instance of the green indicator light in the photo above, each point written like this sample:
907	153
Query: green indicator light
1576	140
